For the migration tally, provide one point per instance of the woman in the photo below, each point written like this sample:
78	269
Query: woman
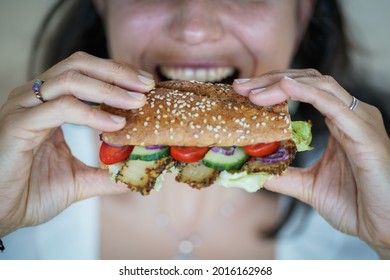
259	41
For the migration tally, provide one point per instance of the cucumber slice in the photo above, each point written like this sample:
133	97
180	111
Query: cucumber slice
221	162
141	153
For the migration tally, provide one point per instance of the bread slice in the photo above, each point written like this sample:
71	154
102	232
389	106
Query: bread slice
189	113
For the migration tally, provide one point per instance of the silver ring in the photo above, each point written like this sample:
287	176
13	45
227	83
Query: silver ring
354	103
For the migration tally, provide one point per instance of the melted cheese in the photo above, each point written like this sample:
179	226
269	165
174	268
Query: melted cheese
249	182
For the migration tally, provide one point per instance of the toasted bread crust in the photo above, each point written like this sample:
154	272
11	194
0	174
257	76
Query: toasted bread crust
189	113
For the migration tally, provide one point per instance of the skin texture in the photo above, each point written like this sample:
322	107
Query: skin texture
256	37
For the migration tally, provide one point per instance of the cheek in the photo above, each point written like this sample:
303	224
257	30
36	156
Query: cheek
271	41
130	34
275	47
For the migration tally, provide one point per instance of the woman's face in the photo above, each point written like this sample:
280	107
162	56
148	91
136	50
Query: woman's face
205	40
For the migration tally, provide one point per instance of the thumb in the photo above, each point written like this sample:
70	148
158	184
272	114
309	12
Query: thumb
97	182
295	182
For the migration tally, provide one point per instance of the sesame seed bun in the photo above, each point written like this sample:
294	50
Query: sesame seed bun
189	113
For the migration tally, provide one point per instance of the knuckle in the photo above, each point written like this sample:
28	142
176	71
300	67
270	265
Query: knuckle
79	55
311	72
329	79
108	88
16	92
63	103
120	67
69	76
75	59
374	111
90	113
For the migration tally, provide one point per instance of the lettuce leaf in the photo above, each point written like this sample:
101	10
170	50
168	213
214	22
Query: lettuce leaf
301	134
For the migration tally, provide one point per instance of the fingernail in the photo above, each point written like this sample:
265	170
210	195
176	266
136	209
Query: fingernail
145	80
136	95
145	77
146	74
117	119
257	90
289	79
241	81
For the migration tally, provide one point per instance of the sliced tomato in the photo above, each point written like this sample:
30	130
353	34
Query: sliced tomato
188	154
262	149
113	154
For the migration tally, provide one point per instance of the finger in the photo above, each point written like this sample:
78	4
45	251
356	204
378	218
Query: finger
247	86
118	73
329	105
66	109
96	182
295	183
367	112
82	87
268	96
329	85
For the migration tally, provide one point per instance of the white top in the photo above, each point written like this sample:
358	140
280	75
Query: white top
74	234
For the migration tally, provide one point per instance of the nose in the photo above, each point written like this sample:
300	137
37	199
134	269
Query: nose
195	22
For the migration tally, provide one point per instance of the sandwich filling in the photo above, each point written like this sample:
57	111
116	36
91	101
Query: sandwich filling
205	134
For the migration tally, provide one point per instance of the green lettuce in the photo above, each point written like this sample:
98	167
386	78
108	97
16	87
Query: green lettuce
301	134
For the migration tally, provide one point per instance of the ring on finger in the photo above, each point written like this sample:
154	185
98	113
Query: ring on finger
37	89
354	103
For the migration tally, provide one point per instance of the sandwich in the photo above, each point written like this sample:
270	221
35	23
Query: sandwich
205	134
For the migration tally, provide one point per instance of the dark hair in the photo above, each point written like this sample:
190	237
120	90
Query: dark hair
324	47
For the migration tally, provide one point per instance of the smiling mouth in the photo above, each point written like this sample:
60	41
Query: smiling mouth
209	74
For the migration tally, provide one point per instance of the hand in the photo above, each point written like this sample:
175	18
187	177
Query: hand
39	177
350	185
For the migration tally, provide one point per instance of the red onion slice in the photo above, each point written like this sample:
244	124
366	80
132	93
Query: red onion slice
155	147
227	151
280	155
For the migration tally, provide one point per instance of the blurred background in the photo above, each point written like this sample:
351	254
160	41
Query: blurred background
369	24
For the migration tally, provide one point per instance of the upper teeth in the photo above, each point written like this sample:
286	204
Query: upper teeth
199	74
